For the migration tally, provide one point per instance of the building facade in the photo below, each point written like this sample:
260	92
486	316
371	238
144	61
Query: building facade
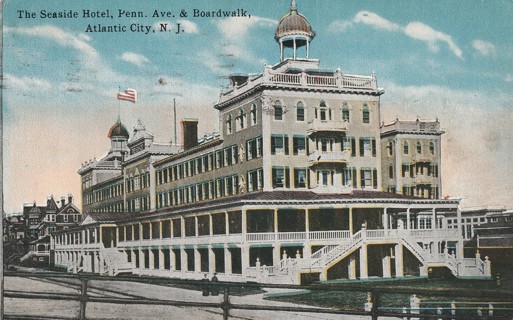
289	191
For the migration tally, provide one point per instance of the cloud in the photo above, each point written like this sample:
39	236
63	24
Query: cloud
508	78
423	32
134	58
26	83
189	26
236	28
339	26
78	42
415	30
372	19
484	48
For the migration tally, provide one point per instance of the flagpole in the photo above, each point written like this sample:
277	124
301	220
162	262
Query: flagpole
119	105
174	112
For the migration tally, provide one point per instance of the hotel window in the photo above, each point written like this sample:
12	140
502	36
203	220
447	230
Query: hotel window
323	178
241	120
300	112
324	112
390	148
253	114
299	145
299	178
280	176
345	113
279	144
406	148
367	147
419	147
365	114
391	172
229	124
369	178
255	180
349	177
278	110
432	148
234	154
251	149
349	144
219	159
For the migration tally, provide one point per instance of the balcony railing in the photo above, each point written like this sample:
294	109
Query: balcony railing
327	125
335	81
329	156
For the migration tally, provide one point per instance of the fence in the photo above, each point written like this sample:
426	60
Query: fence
373	305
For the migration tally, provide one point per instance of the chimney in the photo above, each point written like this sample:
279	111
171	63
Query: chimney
70	198
63	202
190	133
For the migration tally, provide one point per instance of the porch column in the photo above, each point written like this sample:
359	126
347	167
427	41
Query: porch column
183	260
244	219
275	226
387	271
133	257
351	230
141	259
459	245
211	258
277	255
244	251
399	264
227	223
162	264
172	259
227	260
408	222
352	267
385	218
197	260
364	273
433	219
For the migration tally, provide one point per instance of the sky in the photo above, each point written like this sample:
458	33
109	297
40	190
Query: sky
447	60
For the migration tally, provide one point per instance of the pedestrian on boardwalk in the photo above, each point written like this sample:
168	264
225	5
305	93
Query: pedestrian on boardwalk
206	286
214	291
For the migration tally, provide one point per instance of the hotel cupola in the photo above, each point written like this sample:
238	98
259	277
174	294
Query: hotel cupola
118	135
294	31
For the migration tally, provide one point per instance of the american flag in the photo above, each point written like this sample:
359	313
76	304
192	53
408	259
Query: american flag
128	95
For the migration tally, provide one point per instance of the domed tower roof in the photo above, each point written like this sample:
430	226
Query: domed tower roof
294	25
118	130
294	31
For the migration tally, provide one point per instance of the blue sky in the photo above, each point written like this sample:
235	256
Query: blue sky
451	60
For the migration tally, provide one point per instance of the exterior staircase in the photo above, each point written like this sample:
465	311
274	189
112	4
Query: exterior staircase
115	262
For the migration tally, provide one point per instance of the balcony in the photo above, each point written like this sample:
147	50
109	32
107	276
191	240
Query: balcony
423	179
319	157
318	125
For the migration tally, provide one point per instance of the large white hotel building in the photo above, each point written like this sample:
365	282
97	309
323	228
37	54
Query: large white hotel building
303	182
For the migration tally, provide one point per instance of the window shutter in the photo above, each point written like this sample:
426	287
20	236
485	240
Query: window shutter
273	145
286	138
353	147
373	147
361	147
287	177
362	178
354	178
375	178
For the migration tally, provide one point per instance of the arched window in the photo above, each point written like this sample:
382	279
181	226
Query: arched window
229	124
300	112
365	114
278	111
324	112
432	147
406	149
345	113
419	147
390	148
253	114
240	119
